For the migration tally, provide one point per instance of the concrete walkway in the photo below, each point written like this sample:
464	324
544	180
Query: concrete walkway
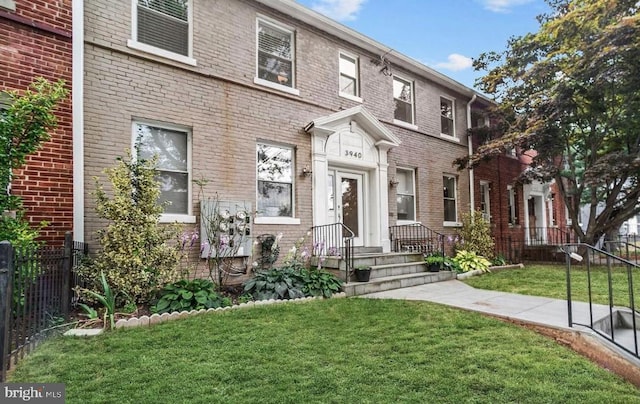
532	309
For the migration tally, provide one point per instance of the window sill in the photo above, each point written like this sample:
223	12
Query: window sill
405	124
8	4
451	224
276	220
351	97
407	223
276	86
172	218
161	52
448	137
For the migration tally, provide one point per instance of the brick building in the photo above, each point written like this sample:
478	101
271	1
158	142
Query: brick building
36	40
286	111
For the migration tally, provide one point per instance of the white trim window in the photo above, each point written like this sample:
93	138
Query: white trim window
485	200
275	64
163	28
405	195
450	197
172	146
447	117
512	206
349	77
403	100
275	168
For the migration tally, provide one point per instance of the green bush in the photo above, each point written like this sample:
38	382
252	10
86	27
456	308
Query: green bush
189	295
277	283
475	235
448	264
320	283
470	261
137	255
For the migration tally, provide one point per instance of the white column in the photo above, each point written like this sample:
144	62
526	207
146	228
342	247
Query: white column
383	194
320	173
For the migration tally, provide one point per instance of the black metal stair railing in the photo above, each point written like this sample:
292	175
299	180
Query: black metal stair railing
416	238
595	257
334	240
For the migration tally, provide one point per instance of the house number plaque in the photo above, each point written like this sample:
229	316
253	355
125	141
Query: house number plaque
353	154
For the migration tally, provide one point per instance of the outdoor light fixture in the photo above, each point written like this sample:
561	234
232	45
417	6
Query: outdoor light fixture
576	257
393	182
306	171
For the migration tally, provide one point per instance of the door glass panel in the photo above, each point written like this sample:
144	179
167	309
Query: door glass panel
350	204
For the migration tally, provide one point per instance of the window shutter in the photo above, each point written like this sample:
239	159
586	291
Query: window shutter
164	24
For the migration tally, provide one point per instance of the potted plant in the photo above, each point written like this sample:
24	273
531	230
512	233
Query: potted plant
435	261
363	272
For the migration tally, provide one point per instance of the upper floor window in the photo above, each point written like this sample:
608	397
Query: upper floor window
171	144
512	205
405	194
485	201
275	180
450	192
447	117
164	28
403	98
349	83
276	56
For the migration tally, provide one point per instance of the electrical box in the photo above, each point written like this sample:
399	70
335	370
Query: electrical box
225	228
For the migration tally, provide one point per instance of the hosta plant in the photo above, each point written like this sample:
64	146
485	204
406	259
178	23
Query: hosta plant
320	283
470	261
277	283
187	295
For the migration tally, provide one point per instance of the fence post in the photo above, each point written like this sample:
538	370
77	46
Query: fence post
6	284
67	263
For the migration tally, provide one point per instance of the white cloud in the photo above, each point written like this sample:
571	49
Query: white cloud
502	6
341	10
455	62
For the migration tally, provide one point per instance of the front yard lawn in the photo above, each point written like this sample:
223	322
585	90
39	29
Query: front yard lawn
331	351
551	281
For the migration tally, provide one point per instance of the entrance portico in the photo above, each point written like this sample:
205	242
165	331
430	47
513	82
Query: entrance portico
349	167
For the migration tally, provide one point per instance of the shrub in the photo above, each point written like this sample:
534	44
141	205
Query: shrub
277	283
189	295
320	283
470	261
475	235
136	255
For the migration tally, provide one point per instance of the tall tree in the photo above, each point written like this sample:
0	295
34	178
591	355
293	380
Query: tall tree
569	95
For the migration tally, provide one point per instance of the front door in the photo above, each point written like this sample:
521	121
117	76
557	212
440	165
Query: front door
346	202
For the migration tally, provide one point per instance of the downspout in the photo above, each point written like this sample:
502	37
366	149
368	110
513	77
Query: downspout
472	195
77	106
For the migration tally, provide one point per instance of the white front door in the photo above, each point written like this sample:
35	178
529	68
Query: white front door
346	202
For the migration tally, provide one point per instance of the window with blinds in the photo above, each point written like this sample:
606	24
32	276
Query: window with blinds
164	24
275	54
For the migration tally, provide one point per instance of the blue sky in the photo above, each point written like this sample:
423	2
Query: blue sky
442	34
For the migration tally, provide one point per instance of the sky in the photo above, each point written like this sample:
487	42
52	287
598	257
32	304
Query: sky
443	34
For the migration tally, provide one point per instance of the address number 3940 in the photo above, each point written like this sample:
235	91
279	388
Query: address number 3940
353	154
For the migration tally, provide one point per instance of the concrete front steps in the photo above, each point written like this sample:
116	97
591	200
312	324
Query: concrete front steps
388	271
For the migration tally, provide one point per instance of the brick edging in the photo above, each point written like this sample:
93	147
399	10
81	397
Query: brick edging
164	317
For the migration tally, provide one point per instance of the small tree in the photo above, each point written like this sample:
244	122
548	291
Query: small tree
24	126
475	235
137	257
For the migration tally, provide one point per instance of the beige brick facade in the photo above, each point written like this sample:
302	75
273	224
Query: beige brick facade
228	114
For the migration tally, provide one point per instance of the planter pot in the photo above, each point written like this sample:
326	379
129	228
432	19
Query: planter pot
362	275
434	267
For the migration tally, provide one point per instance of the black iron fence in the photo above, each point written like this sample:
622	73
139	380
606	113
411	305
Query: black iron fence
416	238
334	240
36	292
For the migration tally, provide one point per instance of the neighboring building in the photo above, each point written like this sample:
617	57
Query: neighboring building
520	215
36	40
282	109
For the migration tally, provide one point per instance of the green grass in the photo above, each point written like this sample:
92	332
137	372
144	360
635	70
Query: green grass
332	351
551	281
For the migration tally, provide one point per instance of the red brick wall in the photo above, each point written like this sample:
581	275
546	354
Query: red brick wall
35	40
